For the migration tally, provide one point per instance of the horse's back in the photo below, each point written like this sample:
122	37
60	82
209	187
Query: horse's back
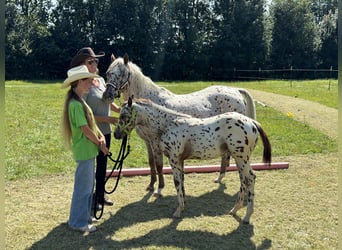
207	102
206	138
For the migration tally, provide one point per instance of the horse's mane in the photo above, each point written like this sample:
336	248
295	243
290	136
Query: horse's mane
141	77
148	102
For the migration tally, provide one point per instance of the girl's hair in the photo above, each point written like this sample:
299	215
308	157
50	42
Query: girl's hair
66	128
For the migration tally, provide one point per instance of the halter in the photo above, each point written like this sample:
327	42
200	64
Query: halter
124	83
124	127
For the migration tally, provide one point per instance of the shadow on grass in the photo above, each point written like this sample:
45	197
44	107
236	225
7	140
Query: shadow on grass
215	203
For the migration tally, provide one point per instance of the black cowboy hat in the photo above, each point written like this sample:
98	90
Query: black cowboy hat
82	54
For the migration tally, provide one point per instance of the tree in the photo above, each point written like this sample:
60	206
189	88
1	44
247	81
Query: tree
238	37
329	49
184	47
325	12
170	39
25	21
294	35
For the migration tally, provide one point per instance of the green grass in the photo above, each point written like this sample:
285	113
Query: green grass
33	145
294	208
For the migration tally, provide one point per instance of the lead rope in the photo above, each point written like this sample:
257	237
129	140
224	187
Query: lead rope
118	163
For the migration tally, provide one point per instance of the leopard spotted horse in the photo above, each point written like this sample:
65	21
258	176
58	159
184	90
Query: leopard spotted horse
123	76
179	137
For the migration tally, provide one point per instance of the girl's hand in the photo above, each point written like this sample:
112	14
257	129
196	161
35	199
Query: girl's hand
102	140
104	149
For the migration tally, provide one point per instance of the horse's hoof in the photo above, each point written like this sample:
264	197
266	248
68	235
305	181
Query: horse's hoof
219	178
157	195
231	212
176	215
149	189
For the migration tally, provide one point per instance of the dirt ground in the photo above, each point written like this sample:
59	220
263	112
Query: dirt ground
314	114
26	201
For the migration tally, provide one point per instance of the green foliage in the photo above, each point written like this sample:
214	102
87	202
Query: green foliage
294	34
171	40
34	144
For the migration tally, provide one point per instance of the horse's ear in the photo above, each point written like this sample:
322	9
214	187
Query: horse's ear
125	58
112	57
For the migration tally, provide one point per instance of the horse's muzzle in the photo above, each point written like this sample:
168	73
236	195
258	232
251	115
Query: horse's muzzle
118	134
109	96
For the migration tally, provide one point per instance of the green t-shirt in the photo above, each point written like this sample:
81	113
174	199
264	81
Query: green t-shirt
82	147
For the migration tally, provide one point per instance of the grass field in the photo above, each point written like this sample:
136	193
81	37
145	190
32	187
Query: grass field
33	117
294	208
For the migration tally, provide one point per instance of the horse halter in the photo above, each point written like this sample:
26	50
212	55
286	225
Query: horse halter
122	85
125	127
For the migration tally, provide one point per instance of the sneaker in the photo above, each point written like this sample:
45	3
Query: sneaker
86	228
92	219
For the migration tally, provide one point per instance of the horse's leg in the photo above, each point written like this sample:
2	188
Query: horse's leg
247	181
178	179
224	164
241	195
159	166
250	181
151	162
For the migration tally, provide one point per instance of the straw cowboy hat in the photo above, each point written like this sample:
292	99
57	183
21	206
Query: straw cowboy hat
83	54
78	73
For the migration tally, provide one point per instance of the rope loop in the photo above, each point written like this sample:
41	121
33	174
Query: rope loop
118	163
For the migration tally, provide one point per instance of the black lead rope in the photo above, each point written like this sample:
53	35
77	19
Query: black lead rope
121	157
118	163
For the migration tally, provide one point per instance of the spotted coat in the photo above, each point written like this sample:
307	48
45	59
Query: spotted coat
127	78
180	137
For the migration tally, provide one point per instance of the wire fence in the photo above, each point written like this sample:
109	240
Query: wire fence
286	74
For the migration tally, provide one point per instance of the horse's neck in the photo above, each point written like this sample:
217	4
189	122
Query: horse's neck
142	86
155	116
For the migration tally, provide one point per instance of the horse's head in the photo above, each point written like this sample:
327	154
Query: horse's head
126	121
118	75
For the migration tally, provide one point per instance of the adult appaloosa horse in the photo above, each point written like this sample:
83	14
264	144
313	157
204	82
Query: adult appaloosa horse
126	77
179	137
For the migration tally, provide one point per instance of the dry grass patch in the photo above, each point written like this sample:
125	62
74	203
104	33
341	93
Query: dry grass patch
294	209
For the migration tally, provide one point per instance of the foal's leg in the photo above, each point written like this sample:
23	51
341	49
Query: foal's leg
241	195
152	164
159	165
224	164
178	179
247	181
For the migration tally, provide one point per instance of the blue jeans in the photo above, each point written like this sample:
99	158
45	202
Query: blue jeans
80	210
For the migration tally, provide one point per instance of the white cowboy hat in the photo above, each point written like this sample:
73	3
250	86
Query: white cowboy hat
78	73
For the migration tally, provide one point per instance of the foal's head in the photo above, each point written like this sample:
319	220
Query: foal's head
118	75
126	121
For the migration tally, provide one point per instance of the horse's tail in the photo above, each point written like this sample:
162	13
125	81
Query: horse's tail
249	103
267	155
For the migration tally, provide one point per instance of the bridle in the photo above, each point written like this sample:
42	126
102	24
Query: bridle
125	127
122	85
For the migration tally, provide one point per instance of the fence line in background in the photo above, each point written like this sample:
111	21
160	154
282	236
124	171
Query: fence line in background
285	74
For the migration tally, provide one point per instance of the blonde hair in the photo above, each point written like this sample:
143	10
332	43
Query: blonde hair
66	128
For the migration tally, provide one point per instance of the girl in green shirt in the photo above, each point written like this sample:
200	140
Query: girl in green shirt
82	134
